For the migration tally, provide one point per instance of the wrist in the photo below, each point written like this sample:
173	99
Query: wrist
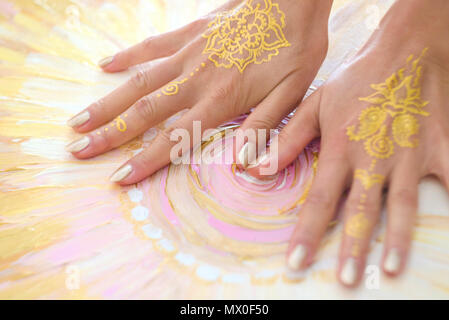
417	24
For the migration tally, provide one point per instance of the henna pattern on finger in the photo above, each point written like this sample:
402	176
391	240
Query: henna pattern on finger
173	87
398	100
251	34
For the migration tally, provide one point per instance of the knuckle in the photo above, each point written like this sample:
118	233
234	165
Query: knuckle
267	122
99	107
405	198
165	136
148	43
284	138
146	108
320	199
226	91
141	80
103	142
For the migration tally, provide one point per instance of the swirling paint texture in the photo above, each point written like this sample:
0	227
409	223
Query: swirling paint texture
190	231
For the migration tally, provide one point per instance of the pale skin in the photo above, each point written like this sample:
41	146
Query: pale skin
327	113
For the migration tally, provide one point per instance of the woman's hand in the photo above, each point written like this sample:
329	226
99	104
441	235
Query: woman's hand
254	53
384	121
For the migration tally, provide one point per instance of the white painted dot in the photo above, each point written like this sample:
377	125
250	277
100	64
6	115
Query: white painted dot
139	213
235	278
152	232
207	272
185	259
265	274
135	195
166	245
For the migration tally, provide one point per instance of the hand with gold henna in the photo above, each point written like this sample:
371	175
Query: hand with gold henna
383	119
260	54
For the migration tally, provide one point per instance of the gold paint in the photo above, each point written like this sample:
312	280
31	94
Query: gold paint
253	34
172	88
120	124
309	184
357	226
355	249
367	179
399	98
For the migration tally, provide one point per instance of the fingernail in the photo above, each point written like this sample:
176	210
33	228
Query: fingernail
79	119
393	261
296	258
78	145
105	61
247	154
121	173
259	161
348	274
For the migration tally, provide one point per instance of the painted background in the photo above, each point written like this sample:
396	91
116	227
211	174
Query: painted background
187	232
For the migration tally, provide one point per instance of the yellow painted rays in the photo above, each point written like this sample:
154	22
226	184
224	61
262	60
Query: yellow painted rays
398	98
251	34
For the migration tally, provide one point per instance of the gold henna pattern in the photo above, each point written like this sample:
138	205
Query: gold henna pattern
380	145
173	87
120	124
251	34
399	98
357	226
367	179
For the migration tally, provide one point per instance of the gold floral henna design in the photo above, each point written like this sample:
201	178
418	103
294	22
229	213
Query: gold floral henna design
399	99
252	34
398	102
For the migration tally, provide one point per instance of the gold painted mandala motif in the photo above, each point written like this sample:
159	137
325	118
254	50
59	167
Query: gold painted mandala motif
250	34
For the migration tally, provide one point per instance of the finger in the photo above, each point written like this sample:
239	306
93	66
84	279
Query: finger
159	46
119	100
145	113
319	208
291	141
401	213
362	210
267	115
155	47
160	153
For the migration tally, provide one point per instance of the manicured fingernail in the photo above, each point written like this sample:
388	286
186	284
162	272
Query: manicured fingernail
247	154
259	161
105	61
393	261
348	274
78	145
79	119
121	173
297	257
